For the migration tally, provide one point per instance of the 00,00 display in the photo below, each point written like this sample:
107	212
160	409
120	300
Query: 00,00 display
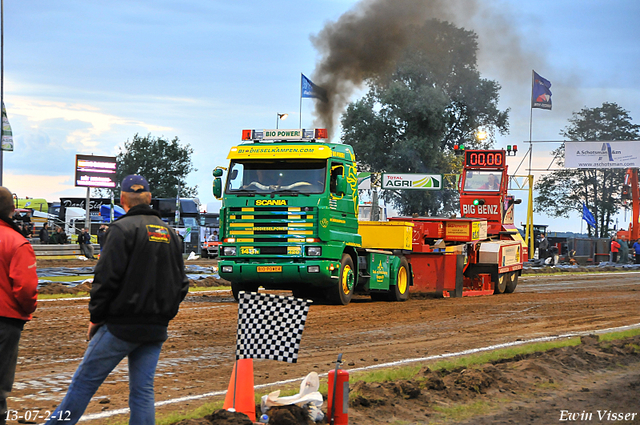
485	159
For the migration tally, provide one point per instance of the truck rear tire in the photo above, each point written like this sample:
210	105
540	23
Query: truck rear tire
236	288
400	291
512	283
342	291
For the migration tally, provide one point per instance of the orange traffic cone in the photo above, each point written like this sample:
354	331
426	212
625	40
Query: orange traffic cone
243	398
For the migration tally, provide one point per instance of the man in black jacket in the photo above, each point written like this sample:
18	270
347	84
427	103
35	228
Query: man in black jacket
138	286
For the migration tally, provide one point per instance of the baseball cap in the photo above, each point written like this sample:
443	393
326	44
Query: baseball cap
134	183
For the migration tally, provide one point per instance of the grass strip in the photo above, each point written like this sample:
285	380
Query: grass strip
194	289
67	278
57	296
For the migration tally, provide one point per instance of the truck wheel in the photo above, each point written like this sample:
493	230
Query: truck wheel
342	291
304	293
501	283
237	287
512	283
400	291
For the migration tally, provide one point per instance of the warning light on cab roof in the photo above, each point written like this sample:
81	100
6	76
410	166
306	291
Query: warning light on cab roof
321	133
247	134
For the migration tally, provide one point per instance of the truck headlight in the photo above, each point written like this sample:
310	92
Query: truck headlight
313	269
314	251
227	269
229	250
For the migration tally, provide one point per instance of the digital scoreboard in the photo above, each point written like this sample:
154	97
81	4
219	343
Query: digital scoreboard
96	171
484	159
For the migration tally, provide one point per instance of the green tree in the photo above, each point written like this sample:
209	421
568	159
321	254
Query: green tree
565	190
409	122
165	164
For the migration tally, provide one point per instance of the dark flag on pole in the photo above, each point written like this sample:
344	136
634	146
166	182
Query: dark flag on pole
541	97
270	326
309	89
587	216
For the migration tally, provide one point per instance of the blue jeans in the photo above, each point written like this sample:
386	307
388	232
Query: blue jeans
103	354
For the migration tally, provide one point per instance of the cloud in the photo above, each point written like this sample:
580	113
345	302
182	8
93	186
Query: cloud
40	112
50	187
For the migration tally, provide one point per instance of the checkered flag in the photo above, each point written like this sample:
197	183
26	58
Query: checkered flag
270	326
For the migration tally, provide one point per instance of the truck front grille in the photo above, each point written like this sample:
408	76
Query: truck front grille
271	225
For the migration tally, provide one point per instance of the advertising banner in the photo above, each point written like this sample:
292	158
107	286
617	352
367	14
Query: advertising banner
614	154
412	181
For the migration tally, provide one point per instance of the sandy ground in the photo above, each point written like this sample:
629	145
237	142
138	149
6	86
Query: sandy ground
198	356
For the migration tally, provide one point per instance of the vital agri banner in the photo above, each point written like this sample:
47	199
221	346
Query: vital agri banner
614	154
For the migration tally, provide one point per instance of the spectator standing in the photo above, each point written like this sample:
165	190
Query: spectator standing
138	286
636	251
18	294
44	234
543	247
84	239
615	247
102	232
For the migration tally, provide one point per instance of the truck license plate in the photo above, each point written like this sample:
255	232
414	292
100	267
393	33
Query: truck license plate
269	269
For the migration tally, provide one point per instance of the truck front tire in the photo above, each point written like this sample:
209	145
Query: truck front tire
237	287
342	291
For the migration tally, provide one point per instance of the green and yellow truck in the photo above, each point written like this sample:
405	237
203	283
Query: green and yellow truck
289	220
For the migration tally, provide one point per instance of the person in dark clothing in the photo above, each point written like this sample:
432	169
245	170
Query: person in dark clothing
139	283
84	239
61	236
543	247
102	232
18	294
44	234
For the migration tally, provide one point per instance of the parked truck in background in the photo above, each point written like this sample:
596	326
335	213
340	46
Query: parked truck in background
289	220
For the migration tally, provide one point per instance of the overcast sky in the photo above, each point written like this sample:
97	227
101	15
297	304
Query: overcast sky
84	77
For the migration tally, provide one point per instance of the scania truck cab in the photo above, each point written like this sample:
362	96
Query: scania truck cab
289	219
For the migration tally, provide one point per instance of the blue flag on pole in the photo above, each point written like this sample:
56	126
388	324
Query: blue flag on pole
311	90
587	216
541	97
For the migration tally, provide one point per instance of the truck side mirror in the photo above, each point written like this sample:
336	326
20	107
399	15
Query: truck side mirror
341	185
217	187
217	172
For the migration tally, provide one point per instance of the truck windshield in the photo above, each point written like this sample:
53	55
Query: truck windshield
260	176
482	181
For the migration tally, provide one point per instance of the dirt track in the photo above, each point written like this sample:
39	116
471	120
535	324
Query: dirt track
198	357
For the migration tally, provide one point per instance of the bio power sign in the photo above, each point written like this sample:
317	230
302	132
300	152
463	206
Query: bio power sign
615	154
412	181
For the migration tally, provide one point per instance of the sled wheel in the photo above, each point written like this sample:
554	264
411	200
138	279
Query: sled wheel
512	283
501	283
342	291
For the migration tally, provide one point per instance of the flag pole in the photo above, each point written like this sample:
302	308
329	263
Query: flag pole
300	126
530	206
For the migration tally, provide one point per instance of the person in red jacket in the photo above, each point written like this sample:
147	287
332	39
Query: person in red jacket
615	247
18	294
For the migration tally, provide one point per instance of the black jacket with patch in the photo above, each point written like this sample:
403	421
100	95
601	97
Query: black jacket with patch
140	277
